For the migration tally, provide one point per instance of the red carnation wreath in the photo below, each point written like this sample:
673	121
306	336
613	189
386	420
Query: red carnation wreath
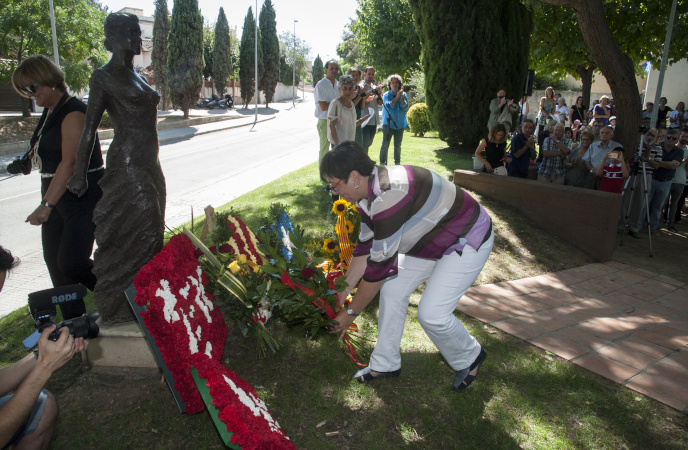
240	408
181	315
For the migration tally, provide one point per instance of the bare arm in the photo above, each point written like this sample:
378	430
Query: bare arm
479	156
362	119
323	105
71	128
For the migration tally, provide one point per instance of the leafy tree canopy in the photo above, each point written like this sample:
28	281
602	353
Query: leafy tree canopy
185	54
318	70
222	53
291	47
26	31
161	31
270	47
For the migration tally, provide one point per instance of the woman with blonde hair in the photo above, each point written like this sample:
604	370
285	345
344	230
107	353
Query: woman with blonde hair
547	105
66	220
602	110
495	150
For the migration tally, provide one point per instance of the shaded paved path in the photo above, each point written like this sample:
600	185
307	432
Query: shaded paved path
627	324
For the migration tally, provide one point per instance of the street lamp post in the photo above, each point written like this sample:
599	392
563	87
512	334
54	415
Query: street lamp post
293	73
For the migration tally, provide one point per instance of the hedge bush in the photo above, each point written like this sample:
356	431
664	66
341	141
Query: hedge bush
417	116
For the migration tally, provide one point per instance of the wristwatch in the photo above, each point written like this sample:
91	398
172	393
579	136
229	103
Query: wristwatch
351	312
48	204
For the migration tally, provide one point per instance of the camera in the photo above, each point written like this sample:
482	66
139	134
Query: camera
20	164
374	91
42	305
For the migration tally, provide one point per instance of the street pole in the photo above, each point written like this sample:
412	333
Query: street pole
255	95
293	73
56	56
665	56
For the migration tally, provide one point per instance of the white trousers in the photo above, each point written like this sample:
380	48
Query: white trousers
448	279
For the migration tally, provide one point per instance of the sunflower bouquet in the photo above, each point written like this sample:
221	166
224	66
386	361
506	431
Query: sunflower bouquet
338	244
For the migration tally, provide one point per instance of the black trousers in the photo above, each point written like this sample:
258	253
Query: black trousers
68	238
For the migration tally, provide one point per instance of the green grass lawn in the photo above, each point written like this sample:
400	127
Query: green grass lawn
523	398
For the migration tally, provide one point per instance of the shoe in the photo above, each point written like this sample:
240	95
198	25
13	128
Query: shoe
672	229
463	377
364	375
633	234
655	233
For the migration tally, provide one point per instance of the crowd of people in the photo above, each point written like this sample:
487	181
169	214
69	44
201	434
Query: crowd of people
584	154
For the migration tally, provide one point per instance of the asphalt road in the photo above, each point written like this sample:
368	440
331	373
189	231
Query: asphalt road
209	169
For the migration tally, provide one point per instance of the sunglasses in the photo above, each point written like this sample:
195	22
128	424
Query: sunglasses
671	138
31	89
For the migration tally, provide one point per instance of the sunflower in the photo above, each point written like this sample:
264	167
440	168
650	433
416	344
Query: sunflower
339	207
353	208
349	226
329	245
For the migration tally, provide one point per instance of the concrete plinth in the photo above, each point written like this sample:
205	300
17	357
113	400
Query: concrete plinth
121	345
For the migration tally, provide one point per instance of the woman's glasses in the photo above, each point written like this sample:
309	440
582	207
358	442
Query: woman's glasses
333	187
31	89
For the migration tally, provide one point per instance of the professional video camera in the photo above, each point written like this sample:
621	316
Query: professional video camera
42	305
20	164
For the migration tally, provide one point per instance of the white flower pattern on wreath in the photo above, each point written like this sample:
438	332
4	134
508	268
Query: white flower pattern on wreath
256	405
170	299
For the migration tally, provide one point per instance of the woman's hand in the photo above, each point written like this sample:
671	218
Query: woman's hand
344	322
488	167
508	160
39	216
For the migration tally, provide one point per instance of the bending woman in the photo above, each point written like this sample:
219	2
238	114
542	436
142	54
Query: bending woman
130	218
415	226
66	220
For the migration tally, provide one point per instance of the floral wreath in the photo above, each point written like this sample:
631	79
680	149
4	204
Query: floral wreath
181	315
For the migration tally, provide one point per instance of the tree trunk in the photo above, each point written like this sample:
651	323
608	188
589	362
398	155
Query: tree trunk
585	74
614	65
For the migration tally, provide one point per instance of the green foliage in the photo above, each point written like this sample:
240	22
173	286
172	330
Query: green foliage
292	47
222	52
26	31
247	59
161	31
208	50
417	116
387	36
185	54
270	46
639	28
318	70
486	47
415	83
106	121
544	80
349	50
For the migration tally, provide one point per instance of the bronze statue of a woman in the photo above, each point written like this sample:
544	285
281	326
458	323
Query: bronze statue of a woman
130	217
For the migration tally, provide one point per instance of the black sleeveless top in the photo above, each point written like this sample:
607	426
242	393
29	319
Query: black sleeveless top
494	153
50	145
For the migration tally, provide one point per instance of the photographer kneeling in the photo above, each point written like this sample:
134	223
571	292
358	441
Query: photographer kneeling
28	417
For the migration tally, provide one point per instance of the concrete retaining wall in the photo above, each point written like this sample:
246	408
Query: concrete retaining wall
585	218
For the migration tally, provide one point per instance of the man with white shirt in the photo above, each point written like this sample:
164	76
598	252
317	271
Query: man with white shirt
326	90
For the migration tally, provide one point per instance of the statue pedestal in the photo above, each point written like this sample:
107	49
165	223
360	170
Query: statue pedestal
121	345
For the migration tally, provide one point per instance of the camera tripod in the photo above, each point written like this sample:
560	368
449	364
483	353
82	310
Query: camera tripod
639	166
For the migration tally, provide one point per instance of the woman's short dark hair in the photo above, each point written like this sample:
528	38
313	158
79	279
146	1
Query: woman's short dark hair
345	158
113	25
37	69
7	261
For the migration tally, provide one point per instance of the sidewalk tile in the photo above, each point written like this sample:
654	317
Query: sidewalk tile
679	359
606	367
641	319
620	299
509	308
518	328
599	285
547	321
617	265
641	345
629	277
670	373
679	297
582	338
559	346
602	268
655	285
643	272
669	280
679	335
477	296
483	313
641	292
658	389
555	297
528	303
623	355
607	327
493	290
680	323
562	279
579	273
660	339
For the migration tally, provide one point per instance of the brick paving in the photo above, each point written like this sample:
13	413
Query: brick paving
626	324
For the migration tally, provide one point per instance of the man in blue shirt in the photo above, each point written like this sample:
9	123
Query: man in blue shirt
394	105
521	147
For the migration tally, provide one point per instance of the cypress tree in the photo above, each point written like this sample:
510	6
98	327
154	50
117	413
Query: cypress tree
185	55
222	51
485	48
247	58
269	44
318	70
161	30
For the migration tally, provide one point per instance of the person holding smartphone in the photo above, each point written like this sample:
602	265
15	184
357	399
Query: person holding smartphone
613	174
